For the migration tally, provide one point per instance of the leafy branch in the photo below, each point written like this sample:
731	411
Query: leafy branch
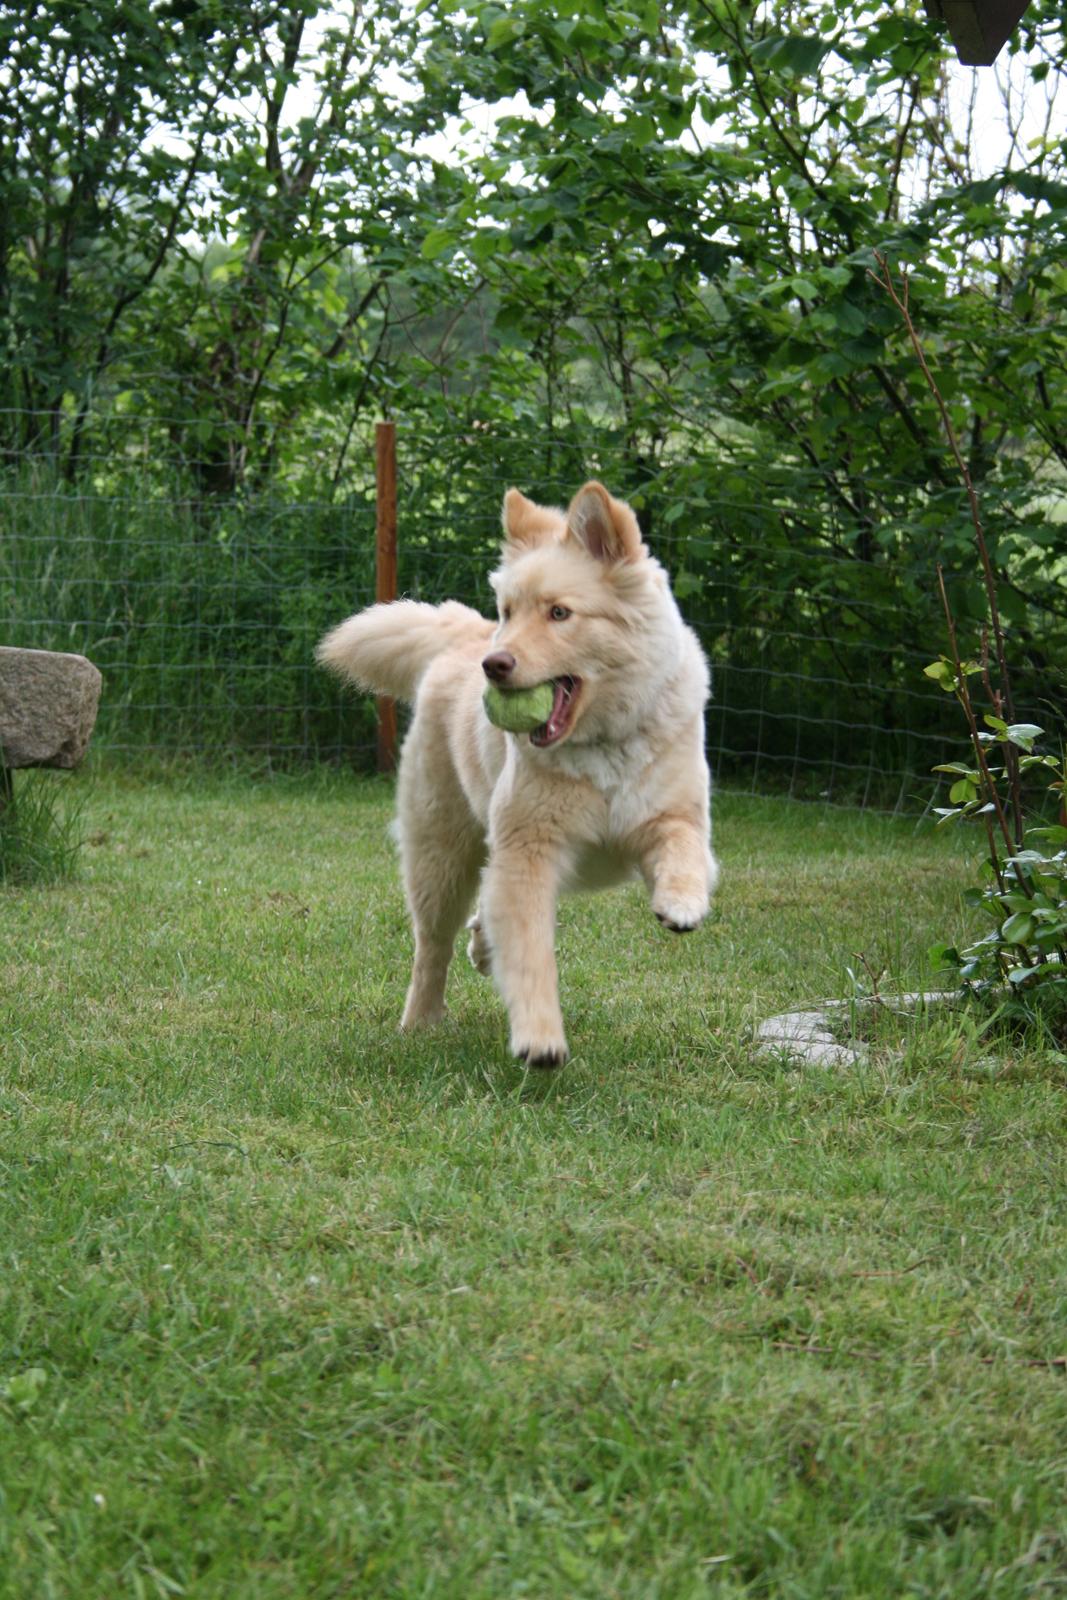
1027	895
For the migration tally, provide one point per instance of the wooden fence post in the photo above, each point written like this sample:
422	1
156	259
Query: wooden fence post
385	571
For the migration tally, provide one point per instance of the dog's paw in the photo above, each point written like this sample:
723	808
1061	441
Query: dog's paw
681	913
421	1016
478	953
540	1052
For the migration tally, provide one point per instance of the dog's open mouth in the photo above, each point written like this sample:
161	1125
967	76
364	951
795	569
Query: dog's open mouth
562	713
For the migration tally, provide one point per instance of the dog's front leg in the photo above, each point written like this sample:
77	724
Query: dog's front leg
518	911
679	868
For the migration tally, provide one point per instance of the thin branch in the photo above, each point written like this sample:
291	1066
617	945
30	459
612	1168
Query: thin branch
900	300
963	695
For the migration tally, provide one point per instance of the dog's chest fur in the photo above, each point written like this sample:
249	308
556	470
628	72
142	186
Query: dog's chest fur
625	777
623	774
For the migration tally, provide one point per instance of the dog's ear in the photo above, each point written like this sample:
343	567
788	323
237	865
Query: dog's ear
607	528
527	524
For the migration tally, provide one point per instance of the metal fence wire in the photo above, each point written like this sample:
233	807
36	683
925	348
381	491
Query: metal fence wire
202	609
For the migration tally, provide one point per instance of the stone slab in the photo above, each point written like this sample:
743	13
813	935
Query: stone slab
48	704
808	1035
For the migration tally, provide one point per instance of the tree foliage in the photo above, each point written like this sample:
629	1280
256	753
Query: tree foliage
173	230
644	228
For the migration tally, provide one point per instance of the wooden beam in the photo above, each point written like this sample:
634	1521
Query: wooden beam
979	29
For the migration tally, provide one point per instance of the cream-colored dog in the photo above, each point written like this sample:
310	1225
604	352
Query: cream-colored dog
614	781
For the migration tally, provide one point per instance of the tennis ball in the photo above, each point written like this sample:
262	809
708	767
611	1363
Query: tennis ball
519	710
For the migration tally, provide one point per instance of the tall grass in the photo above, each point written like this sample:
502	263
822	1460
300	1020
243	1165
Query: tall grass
42	827
202	617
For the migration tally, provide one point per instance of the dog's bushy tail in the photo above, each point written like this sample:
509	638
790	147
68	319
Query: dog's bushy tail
387	648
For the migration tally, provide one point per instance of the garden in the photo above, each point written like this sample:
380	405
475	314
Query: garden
293	1304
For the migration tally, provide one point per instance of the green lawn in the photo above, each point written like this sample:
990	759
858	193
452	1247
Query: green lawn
321	1311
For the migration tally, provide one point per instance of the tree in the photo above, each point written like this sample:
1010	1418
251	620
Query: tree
93	203
265	221
136	132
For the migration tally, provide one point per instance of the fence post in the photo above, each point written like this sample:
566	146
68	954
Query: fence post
385	571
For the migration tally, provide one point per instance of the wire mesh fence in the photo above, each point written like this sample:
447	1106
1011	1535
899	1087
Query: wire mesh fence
202	608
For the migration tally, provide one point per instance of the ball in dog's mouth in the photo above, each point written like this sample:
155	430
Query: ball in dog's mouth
564	700
519	710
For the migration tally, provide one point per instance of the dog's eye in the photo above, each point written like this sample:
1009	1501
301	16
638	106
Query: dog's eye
559	613
505	613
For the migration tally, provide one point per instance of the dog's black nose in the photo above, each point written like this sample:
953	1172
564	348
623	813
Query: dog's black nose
498	666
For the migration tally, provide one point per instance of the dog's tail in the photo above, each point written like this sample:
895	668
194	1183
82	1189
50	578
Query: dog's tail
388	647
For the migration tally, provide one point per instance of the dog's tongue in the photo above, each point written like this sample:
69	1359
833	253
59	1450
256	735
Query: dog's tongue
549	731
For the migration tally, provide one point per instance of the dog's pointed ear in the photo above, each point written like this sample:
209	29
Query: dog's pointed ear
527	524
606	527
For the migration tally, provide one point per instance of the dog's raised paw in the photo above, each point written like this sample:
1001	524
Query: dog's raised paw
478	952
676	925
681	915
541	1055
544	1058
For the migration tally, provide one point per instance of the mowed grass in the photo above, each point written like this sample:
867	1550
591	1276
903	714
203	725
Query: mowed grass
293	1306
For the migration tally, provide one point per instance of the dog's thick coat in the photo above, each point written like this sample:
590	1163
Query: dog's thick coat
614	782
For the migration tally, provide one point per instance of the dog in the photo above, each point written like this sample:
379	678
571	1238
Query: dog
613	783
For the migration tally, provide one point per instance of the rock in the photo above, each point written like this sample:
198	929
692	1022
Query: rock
815	1045
807	1036
48	702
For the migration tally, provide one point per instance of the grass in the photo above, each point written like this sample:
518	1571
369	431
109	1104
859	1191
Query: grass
292	1306
40	827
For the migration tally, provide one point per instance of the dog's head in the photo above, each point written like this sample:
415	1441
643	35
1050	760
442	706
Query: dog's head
581	603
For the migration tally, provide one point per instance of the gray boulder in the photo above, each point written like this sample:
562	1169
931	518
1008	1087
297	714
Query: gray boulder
48	702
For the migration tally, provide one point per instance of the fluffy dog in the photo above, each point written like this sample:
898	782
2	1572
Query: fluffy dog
614	782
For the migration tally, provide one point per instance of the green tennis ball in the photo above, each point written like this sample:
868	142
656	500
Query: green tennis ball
519	710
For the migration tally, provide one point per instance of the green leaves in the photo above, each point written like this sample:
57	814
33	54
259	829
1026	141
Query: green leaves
944	675
1023	734
798	55
436	242
22	1390
504	29
1025	890
1018	928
